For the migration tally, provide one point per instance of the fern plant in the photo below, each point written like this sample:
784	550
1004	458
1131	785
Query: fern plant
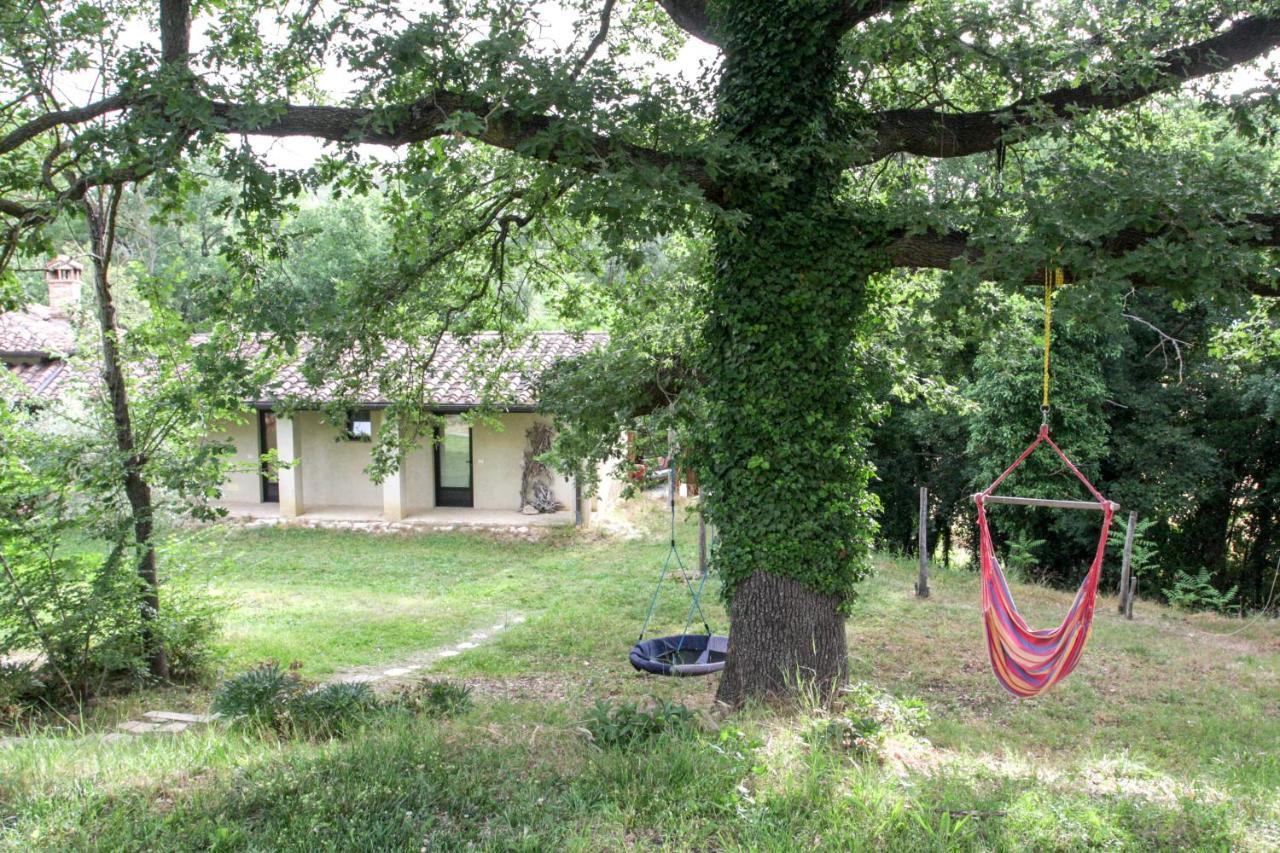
1143	559
1021	556
1197	592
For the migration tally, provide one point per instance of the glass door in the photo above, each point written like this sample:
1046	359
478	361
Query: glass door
453	463
267	443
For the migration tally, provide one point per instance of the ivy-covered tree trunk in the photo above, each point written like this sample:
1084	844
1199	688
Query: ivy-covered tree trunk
788	474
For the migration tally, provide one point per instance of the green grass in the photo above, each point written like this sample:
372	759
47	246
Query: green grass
1165	737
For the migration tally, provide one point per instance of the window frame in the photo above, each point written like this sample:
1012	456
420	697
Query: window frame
359	416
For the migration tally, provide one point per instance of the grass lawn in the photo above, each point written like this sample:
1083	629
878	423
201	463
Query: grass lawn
1168	734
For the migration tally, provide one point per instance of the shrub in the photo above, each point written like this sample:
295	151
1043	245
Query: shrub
625	725
20	691
189	629
1198	593
259	695
333	710
433	698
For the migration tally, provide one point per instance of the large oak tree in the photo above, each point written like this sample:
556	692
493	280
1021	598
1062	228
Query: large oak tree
813	156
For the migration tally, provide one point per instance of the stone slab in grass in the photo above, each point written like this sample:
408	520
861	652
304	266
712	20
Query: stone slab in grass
179	717
142	727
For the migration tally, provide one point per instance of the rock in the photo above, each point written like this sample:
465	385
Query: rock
138	727
397	671
178	717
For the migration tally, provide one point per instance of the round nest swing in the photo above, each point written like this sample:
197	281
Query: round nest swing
681	654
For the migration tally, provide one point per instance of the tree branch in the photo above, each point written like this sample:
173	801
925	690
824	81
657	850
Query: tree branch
536	136
79	115
933	133
692	16
939	251
858	11
596	41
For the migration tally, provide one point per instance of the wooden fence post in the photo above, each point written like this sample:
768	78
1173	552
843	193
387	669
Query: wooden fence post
702	544
1133	591
1126	562
922	585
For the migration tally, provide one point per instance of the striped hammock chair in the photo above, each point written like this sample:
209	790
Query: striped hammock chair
1028	662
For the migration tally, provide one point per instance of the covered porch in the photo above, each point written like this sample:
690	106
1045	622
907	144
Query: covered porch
433	517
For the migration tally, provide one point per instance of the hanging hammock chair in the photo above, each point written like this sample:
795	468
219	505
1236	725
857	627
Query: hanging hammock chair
1027	662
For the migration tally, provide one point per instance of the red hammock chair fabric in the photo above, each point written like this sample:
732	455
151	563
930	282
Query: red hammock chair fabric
1028	662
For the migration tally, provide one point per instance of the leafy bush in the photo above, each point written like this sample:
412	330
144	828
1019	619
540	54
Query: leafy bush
1198	593
433	698
863	719
332	710
625	725
20	690
190	626
259	695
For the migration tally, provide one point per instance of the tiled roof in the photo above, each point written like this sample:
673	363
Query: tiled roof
42	378
464	371
34	329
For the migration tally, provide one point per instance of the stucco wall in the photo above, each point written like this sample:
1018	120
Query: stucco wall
419	479
333	471
242	485
498	456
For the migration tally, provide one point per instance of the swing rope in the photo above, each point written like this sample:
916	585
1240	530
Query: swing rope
695	605
1052	278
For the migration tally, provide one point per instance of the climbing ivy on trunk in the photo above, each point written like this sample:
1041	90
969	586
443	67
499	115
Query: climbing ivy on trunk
787	409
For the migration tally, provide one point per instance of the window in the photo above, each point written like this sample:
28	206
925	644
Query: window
360	425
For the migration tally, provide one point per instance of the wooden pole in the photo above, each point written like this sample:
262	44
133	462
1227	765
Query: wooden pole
922	585
702	544
1126	562
1133	591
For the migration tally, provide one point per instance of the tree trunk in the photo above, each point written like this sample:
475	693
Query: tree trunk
786	472
101	215
787	640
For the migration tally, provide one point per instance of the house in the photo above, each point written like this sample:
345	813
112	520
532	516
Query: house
35	341
473	471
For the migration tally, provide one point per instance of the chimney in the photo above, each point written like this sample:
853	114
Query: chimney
63	276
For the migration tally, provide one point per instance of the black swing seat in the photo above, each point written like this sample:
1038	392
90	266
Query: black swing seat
681	654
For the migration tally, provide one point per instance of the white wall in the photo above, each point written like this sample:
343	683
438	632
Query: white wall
242	485
333	471
419	478
498	461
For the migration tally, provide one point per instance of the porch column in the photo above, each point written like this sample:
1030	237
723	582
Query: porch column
581	505
289	449
393	496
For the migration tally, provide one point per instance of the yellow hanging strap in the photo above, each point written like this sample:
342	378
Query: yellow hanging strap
1052	278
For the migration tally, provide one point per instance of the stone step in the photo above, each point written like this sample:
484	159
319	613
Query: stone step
179	717
141	727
